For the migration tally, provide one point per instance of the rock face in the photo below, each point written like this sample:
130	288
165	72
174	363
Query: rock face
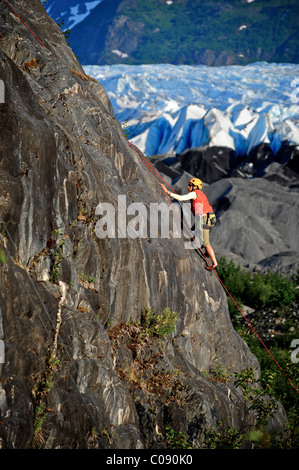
67	296
255	199
257	221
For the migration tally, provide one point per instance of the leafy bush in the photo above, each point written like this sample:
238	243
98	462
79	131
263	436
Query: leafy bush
159	324
274	380
257	290
176	439
271	290
257	401
218	373
223	438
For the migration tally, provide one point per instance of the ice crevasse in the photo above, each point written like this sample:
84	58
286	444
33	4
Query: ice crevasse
168	108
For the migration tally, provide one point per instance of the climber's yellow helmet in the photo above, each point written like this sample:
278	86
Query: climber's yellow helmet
196	182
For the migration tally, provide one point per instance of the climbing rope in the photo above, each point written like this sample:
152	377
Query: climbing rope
158	177
9	6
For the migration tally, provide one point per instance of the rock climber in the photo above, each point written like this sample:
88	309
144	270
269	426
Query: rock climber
196	195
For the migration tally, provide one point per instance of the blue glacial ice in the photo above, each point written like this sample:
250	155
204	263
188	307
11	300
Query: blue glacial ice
169	108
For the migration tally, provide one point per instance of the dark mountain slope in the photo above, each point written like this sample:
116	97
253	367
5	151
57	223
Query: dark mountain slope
184	31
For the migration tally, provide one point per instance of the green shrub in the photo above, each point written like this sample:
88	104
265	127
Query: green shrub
2	256
218	373
176	439
257	290
223	438
159	324
271	290
257	400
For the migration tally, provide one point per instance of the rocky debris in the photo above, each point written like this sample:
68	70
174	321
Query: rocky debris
257	223
209	163
214	163
271	324
164	391
63	289
256	202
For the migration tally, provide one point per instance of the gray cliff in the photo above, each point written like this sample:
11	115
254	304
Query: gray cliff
69	301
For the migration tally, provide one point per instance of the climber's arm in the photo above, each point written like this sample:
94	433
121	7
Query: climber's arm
178	197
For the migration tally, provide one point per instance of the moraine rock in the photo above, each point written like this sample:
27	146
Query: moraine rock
64	290
255	199
209	163
257	222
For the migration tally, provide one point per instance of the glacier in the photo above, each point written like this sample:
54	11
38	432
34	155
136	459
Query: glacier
167	109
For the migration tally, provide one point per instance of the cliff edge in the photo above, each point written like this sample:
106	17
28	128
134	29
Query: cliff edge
79	370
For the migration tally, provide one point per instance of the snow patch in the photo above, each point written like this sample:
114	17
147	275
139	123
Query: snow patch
75	13
123	55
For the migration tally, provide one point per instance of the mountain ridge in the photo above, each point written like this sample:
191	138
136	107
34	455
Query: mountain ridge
183	31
